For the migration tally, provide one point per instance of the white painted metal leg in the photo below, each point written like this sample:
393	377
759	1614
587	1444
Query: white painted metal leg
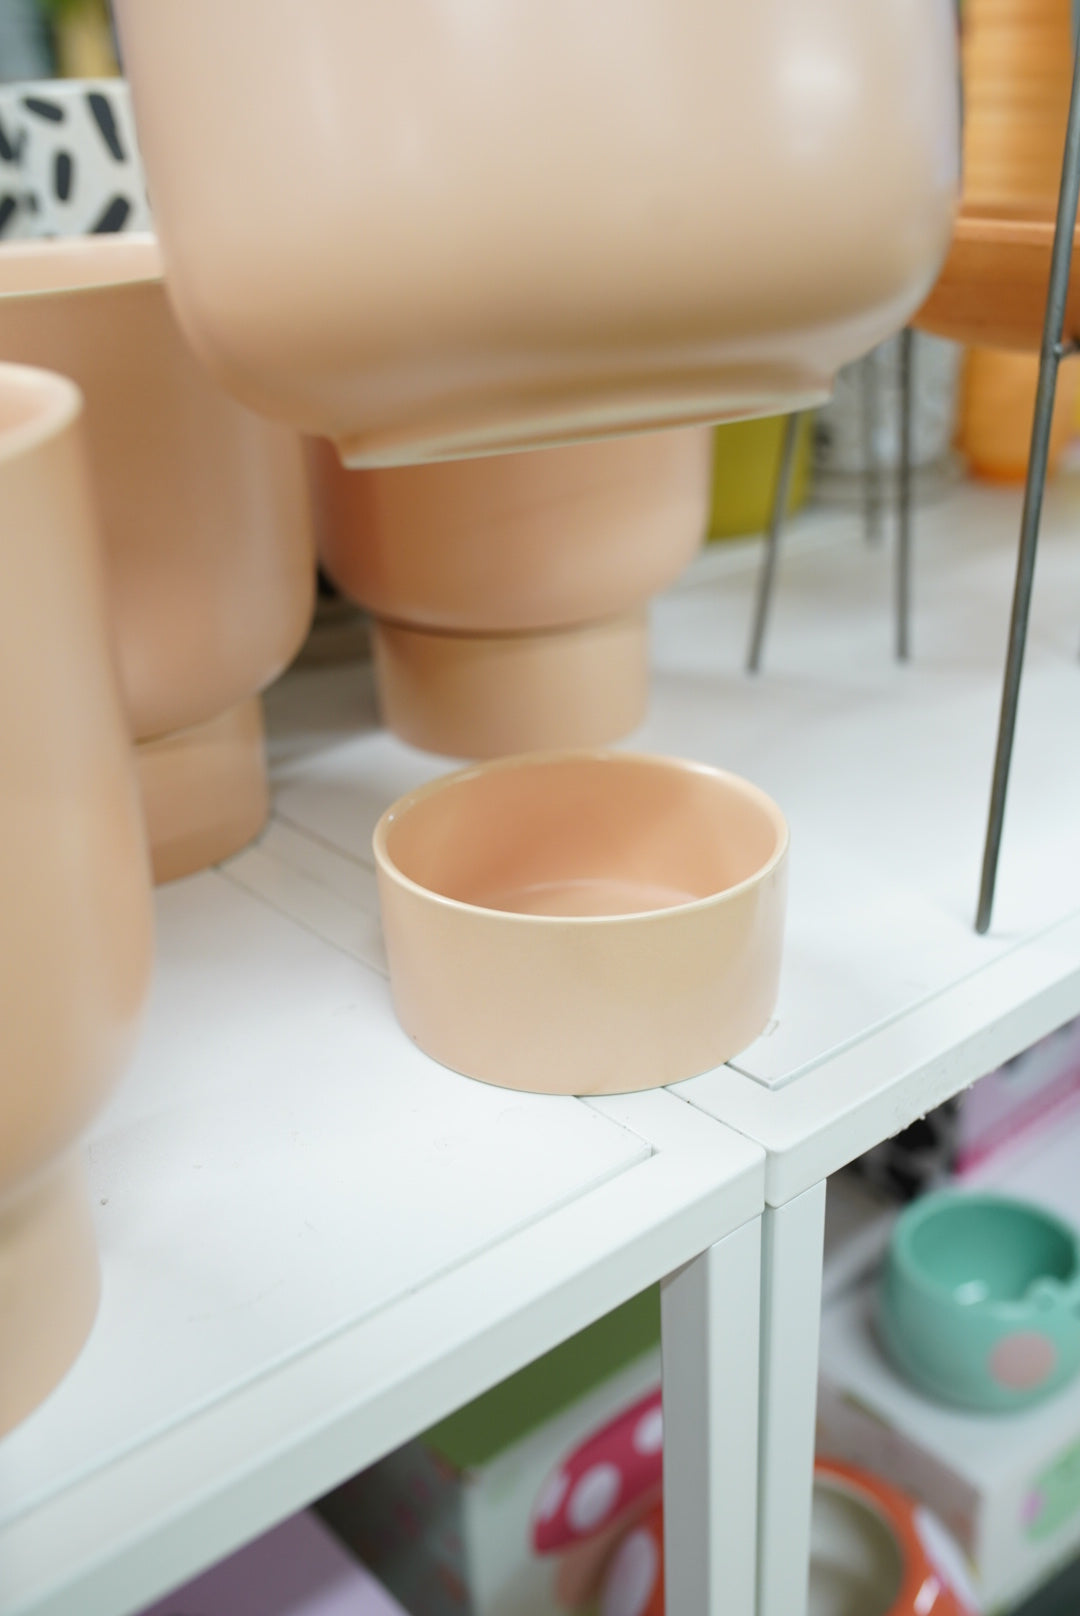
711	1349
792	1250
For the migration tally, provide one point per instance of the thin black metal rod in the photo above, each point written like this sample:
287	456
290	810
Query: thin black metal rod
871	424
903	536
1049	358
767	575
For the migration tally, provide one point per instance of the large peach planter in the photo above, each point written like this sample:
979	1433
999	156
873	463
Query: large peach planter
75	920
509	593
206	526
583	922
426	230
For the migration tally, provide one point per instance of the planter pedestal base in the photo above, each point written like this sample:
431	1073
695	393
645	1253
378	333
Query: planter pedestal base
49	1287
484	695
204	790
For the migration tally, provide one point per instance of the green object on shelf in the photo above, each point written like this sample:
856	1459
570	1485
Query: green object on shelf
1055	1497
746	458
502	1416
979	1300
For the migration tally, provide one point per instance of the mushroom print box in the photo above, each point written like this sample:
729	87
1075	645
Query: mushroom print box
512	1506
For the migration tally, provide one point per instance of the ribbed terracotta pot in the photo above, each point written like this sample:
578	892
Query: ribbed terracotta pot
206	525
75	916
583	922
509	593
426	230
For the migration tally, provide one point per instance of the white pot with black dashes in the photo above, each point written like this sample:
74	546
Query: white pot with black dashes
79	170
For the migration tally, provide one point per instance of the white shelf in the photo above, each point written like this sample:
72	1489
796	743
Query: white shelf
889	1000
316	1242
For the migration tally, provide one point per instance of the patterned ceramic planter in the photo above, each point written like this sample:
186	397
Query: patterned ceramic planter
73	148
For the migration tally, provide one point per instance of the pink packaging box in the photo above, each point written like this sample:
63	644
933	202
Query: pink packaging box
298	1569
1023	1097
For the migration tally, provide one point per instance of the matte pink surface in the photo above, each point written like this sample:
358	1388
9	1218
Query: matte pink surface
299	1569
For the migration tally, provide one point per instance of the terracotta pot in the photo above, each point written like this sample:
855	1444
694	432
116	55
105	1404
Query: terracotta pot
624	914
509	592
75	918
1017	60
204	513
424	231
998	408
873	1551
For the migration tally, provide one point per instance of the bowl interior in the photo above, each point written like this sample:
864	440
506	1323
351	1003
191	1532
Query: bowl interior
585	835
985	1251
856	1566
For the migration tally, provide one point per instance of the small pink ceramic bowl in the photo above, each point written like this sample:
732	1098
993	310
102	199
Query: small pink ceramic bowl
583	922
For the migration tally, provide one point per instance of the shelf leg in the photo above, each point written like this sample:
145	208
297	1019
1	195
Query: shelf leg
792	1253
903	537
767	575
710	1312
1050	356
871	422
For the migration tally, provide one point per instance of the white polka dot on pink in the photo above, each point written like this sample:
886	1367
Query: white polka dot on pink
629	1584
649	1432
594	1497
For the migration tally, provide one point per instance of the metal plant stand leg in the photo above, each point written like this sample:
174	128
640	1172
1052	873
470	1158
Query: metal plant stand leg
903	537
1053	351
871	422
767	575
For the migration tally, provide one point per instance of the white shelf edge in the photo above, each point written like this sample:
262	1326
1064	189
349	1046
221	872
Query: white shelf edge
879	1084
192	1494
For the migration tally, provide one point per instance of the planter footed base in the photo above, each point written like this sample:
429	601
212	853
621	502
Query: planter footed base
486	695
204	790
49	1287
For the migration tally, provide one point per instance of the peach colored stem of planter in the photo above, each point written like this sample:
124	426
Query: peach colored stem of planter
205	792
481	696
75	920
49	1287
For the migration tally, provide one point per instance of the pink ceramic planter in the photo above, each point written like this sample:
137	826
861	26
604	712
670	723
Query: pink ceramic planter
583	923
206	527
509	593
426	231
75	919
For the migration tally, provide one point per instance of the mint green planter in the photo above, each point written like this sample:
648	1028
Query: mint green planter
980	1301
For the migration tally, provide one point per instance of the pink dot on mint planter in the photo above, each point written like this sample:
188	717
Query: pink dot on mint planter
1023	1360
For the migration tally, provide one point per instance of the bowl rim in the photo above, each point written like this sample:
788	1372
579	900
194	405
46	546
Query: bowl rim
60	403
92	263
898	1513
526	760
915	1217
